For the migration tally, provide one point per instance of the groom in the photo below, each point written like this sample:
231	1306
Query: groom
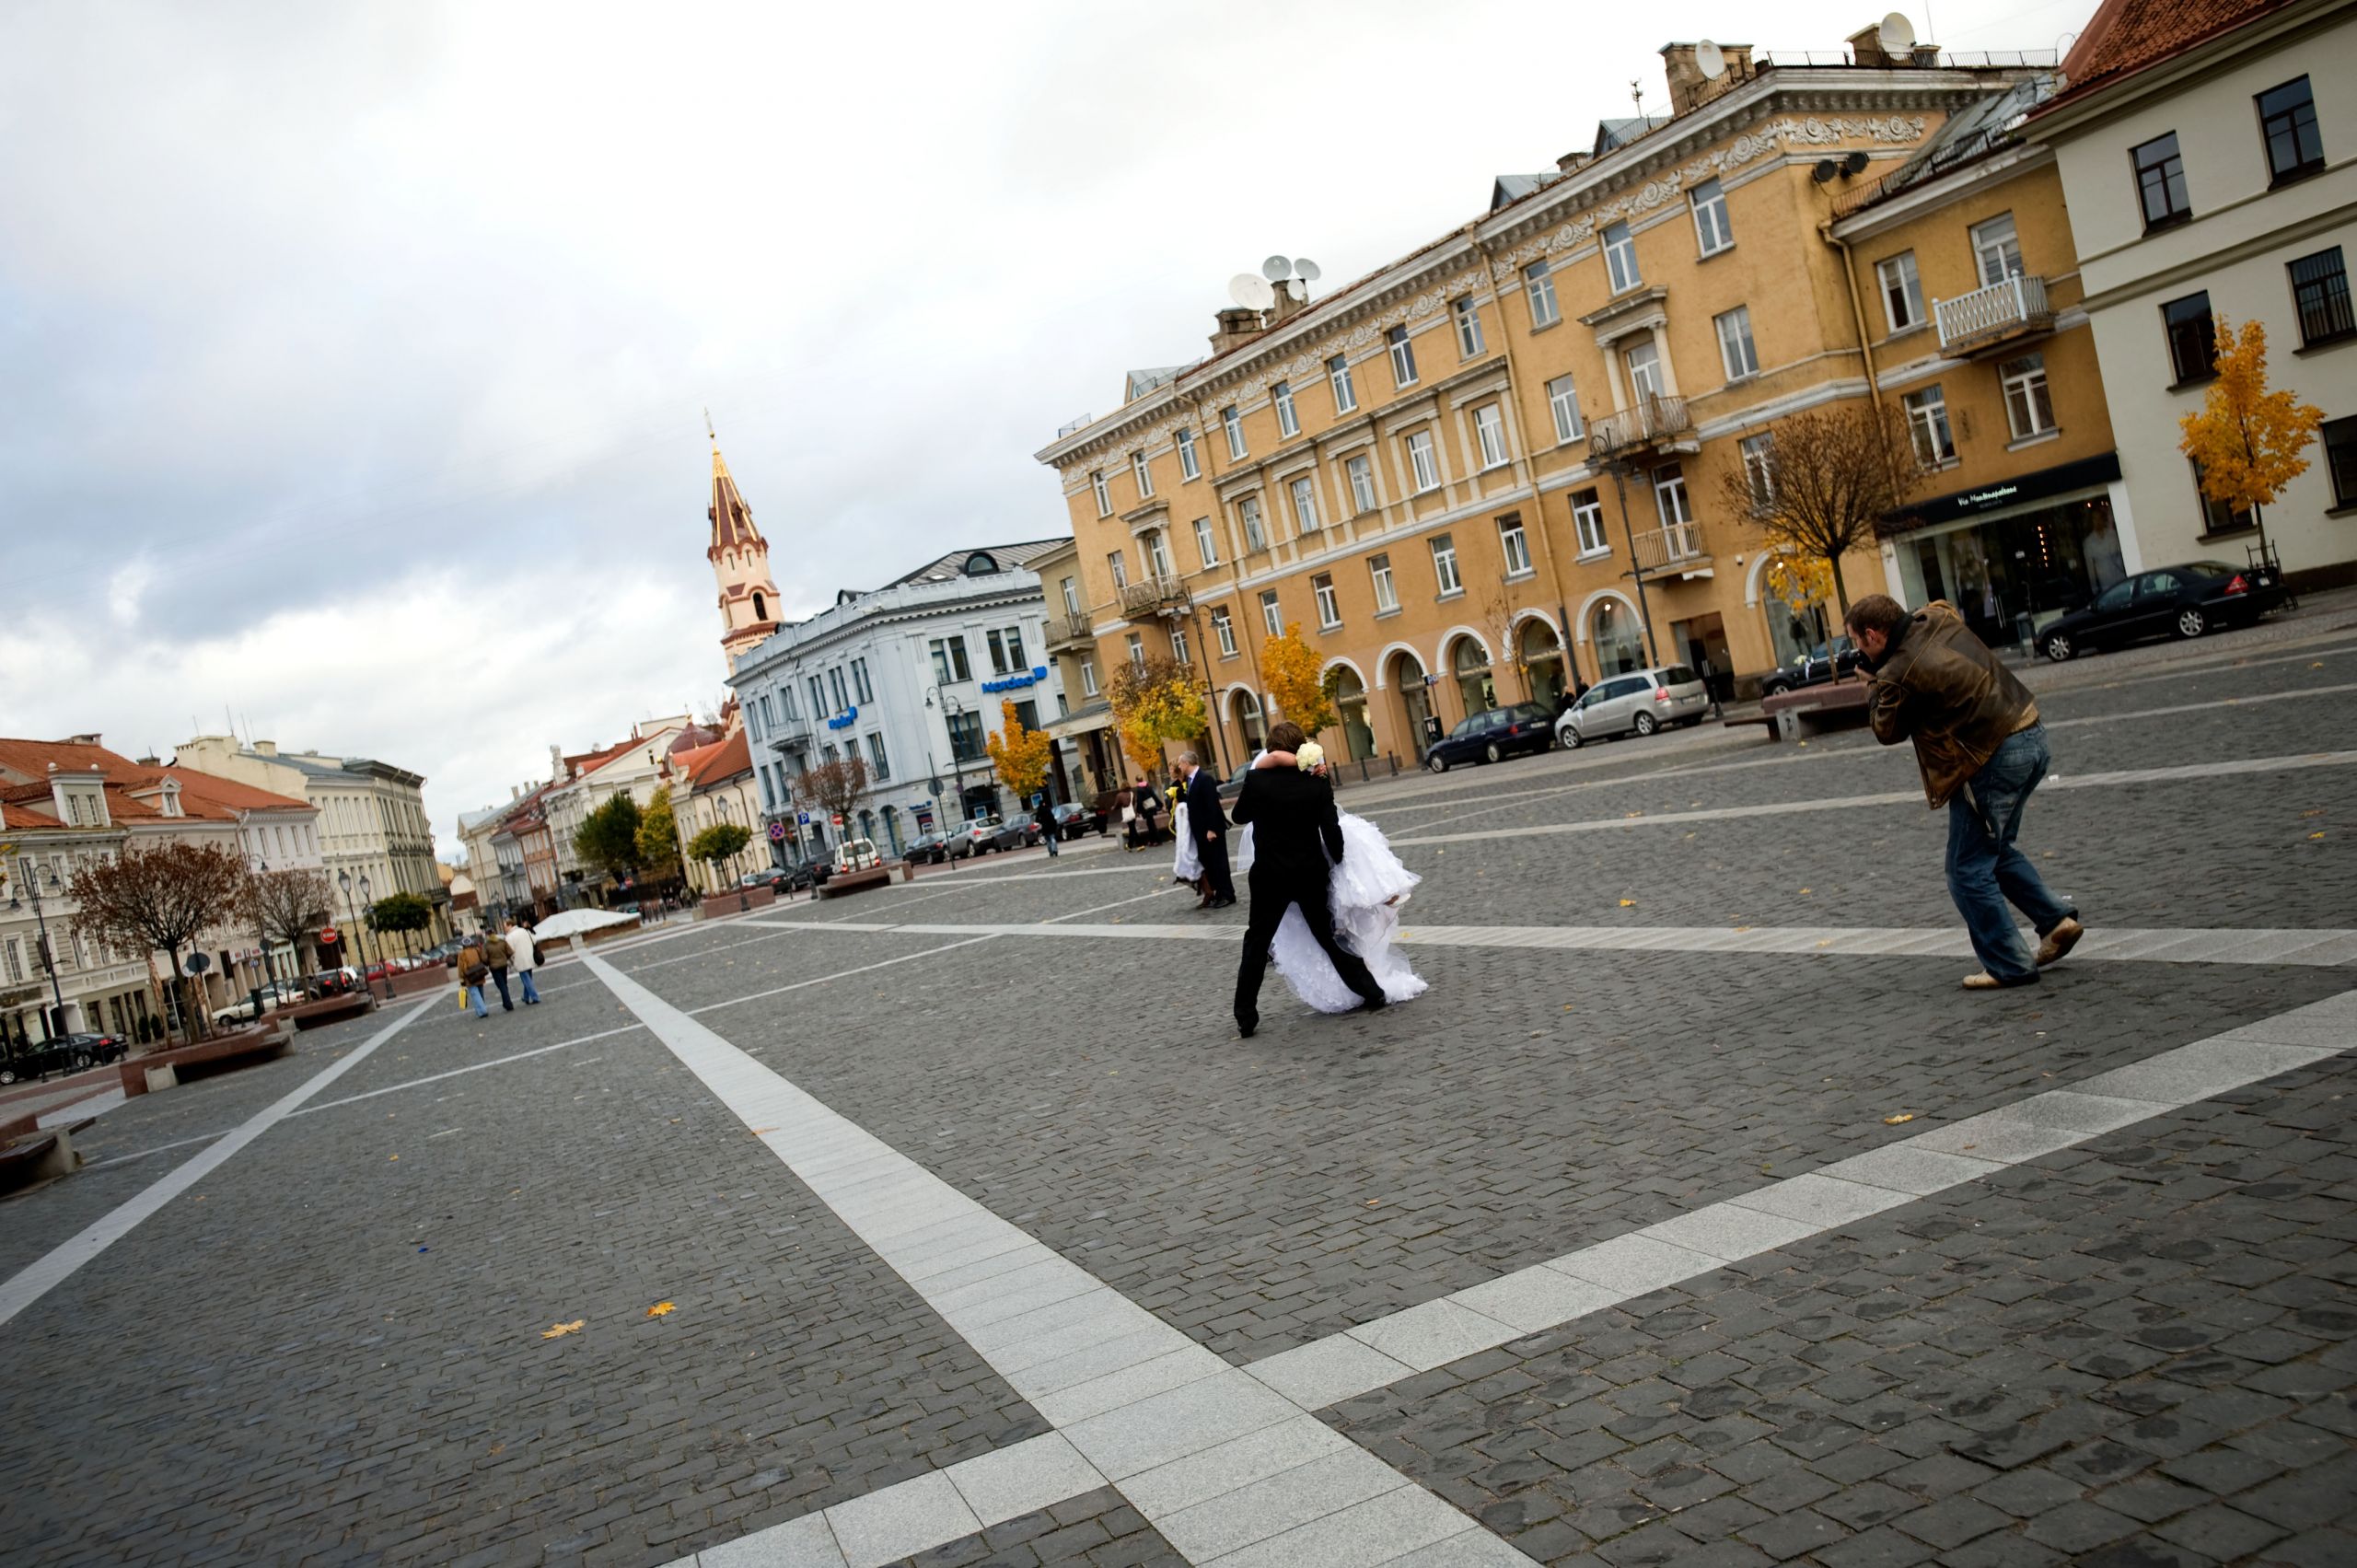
1207	824
1297	840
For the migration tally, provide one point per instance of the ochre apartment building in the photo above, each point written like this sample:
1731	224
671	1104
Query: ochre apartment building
1496	461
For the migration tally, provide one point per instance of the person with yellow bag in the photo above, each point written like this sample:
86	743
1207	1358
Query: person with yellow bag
474	967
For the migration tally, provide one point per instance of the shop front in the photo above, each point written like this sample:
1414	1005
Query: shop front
2015	555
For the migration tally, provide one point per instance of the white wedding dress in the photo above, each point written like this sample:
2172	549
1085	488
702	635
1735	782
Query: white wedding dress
1365	892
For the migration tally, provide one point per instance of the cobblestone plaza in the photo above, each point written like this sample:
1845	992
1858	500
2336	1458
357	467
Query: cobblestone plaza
1695	1216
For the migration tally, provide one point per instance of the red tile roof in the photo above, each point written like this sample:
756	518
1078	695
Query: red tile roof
2126	35
229	792
708	765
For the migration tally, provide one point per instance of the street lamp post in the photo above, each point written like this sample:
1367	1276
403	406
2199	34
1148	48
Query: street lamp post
1618	469
343	880
950	708
32	873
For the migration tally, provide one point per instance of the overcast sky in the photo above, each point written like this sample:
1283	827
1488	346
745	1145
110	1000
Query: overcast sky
352	357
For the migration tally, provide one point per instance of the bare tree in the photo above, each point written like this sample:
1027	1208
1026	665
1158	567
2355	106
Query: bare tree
836	785
1497	620
1831	476
289	906
160	901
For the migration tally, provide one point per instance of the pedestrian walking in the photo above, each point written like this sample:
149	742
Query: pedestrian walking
1149	804
1045	818
473	969
1982	751
1207	826
496	954
524	957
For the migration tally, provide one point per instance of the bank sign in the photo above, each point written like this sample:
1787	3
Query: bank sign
1020	678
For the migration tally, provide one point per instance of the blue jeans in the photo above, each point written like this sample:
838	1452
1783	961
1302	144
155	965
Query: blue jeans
531	992
1985	871
474	1000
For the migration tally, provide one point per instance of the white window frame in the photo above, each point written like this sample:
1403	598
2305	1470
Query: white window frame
1232	421
1272	615
1738	353
1256	529
1490	434
1137	649
1387	591
1898	280
1587	523
1330	607
1927	426
1088	675
1288	423
1303	490
1179	647
1072	596
2034	391
1206	541
1620	258
1142	472
1670	501
1758	453
1712	232
1338	377
1514	545
1361	473
1423	461
1539	292
1224	628
1158	555
1444	570
1470	344
1403	357
1190	466
1996	242
1645	375
1117	563
1563	403
1103	491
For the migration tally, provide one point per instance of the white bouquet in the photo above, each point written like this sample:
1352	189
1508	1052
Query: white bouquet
1310	758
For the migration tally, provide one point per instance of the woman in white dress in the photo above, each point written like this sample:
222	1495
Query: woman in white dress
1365	892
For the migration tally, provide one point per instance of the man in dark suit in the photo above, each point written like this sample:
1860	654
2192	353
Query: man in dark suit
1207	825
1296	839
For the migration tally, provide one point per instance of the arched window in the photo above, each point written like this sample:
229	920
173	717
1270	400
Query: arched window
760	605
981	563
1612	627
1244	708
1469	661
1406	678
1349	711
1542	660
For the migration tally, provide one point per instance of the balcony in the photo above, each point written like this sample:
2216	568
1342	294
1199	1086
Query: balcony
1655	423
1155	597
1994	316
1677	548
1069	631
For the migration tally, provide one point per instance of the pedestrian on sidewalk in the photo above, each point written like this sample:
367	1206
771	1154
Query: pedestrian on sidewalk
524	957
473	969
1207	826
1982	751
496	954
1044	818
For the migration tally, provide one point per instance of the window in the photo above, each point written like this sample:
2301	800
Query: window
1256	537
2160	182
2287	121
1422	460
1759	469
1362	475
1224	628
866	692
2029	409
1735	349
1137	648
1233	422
998	651
1588	521
1710	230
1158	555
2320	293
1902	291
1644	370
1490	431
879	766
1180	648
1669	497
1270	616
1089	676
1468	330
835	682
1206	543
1118	564
1927	426
1403	357
966	737
1304	504
2217	516
2339	439
1072	596
1538	290
786	698
1015	646
1190	466
1329	609
1337	375
1514	546
1282	395
1387	592
1143	472
2192	335
1444	565
1563	403
1997	249
1103	493
1620	257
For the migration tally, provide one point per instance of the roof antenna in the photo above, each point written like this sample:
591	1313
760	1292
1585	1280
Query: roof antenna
1637	95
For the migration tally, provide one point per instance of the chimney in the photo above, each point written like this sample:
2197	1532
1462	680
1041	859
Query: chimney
1287	307
515	793
1865	48
556	762
1689	87
89	740
266	748
1237	325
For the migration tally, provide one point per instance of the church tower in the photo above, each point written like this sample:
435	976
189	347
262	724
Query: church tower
740	563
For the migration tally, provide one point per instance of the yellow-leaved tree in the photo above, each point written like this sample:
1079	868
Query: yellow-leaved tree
1290	668
1154	700
1021	755
2246	440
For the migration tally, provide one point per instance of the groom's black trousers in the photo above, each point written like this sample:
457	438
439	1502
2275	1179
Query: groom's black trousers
1271	891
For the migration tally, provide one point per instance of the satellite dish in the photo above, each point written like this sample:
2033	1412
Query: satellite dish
1897	35
1277	269
1307	269
1711	60
1296	290
1250	292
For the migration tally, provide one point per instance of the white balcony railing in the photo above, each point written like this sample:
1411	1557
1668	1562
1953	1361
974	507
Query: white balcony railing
1652	419
1664	548
1155	597
2004	308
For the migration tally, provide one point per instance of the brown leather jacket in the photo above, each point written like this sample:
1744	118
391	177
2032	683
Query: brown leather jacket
1940	687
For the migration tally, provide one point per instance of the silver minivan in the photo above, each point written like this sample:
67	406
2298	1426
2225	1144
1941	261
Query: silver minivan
1638	703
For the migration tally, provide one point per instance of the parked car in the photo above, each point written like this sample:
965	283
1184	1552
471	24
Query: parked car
926	849
986	832
2173	602
1815	668
1639	703
67	1053
276	994
331	982
776	878
1492	735
857	855
1074	821
1234	786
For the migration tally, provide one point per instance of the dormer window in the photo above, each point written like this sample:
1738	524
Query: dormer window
981	563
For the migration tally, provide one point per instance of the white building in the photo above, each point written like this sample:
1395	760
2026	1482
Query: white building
2209	153
910	678
579	785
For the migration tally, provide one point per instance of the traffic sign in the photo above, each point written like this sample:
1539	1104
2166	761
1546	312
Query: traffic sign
777	832
839	819
197	963
327	938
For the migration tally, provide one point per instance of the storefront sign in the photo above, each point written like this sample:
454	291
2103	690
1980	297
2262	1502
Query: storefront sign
1020	678
844	720
2005	493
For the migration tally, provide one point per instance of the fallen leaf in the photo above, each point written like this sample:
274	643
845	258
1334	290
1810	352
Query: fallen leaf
1628	904
661	1309
558	1330
2316	835
392	1156
1374	1203
762	1132
1806	891
1895	1121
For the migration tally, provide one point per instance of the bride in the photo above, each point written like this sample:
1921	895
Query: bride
1365	892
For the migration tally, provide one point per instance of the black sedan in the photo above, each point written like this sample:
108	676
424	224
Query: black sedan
1493	734
2175	602
1815	668
927	849
1074	821
68	1053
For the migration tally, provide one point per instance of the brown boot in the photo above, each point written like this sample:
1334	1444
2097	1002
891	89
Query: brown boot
2060	941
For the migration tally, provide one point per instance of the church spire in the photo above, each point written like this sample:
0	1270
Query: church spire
740	562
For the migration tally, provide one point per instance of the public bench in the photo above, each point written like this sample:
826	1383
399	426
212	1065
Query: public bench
41	1154
843	882
335	1009
165	1069
1812	709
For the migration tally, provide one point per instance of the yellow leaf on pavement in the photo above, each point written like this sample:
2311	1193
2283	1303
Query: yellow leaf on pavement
558	1330
1895	1121
1628	904
661	1309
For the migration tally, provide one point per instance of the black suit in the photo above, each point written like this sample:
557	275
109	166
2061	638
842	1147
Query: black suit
1205	816
1296	842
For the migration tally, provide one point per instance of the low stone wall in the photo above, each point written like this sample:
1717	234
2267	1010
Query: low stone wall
734	900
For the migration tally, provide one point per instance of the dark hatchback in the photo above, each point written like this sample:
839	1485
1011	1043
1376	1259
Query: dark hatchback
2173	601
1494	735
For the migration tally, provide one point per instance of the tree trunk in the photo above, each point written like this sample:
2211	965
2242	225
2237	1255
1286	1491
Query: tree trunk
1840	590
